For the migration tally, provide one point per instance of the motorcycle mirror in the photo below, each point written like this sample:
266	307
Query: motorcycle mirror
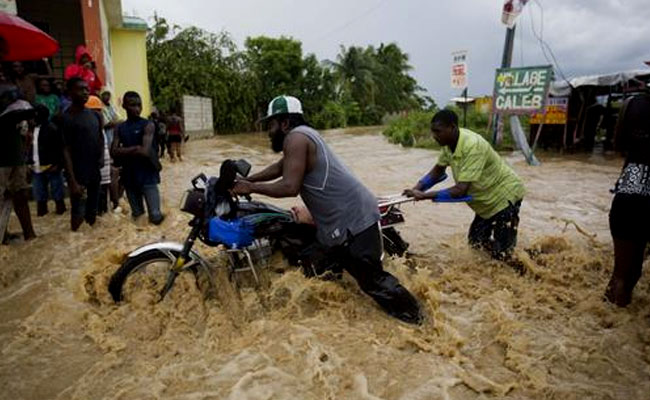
243	167
199	181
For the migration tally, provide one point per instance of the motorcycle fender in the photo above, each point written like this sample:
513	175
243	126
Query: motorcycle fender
166	247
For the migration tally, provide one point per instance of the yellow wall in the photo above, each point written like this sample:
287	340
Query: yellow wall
129	54
483	104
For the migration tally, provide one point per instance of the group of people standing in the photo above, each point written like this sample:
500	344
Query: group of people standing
73	137
170	135
95	148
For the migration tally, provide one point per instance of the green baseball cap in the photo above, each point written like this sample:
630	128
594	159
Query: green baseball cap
283	105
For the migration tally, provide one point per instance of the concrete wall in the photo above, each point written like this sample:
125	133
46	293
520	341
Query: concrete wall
197	116
106	44
129	56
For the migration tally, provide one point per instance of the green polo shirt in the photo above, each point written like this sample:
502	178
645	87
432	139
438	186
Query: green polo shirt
493	184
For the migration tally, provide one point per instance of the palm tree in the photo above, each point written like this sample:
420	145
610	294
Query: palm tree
397	87
354	72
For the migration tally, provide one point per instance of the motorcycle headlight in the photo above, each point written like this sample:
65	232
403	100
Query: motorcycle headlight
193	202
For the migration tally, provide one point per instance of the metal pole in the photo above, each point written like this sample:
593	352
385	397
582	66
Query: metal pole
465	109
506	62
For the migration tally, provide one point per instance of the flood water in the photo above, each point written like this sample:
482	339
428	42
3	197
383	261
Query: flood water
491	333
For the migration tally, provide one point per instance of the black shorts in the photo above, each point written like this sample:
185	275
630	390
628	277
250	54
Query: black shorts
498	234
174	138
629	218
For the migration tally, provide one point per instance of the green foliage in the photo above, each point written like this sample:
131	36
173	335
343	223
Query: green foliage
318	94
396	87
480	123
428	103
193	61
412	130
277	67
476	121
361	88
333	115
377	80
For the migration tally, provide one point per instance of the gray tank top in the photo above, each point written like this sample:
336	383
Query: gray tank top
338	201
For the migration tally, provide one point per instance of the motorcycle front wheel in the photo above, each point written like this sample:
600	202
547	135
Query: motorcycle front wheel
148	271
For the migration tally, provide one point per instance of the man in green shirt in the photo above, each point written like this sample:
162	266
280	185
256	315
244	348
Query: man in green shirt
45	97
495	191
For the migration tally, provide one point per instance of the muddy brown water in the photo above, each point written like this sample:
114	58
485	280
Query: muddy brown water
490	334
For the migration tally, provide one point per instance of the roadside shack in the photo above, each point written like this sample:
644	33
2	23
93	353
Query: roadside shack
581	113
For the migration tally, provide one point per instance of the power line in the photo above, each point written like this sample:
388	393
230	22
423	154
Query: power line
521	42
543	44
345	25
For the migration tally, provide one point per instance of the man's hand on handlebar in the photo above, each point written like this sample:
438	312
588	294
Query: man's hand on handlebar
242	188
416	194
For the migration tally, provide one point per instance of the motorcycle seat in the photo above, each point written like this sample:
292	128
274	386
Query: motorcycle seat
260	207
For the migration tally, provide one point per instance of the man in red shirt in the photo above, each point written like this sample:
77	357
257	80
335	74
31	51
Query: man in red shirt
82	68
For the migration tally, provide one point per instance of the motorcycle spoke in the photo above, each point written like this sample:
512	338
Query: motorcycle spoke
148	278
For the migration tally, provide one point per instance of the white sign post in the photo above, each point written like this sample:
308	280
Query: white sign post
459	77
459	70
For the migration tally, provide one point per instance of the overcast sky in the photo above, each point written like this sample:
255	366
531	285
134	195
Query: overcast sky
587	36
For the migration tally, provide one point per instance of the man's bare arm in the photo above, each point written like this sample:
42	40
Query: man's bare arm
458	190
147	139
296	150
273	171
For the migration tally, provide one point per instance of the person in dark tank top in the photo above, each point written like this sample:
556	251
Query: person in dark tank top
344	210
134	148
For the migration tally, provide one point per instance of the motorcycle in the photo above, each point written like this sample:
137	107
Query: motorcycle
249	231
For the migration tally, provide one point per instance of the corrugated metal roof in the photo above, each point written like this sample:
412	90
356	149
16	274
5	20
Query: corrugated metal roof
562	88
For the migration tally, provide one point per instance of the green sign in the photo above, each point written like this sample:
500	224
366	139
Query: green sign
521	90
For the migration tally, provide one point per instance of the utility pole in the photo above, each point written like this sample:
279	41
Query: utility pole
506	62
465	108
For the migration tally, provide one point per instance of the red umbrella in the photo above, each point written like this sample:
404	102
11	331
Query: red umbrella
23	41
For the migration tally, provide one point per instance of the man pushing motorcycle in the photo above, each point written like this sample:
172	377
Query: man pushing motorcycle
344	210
